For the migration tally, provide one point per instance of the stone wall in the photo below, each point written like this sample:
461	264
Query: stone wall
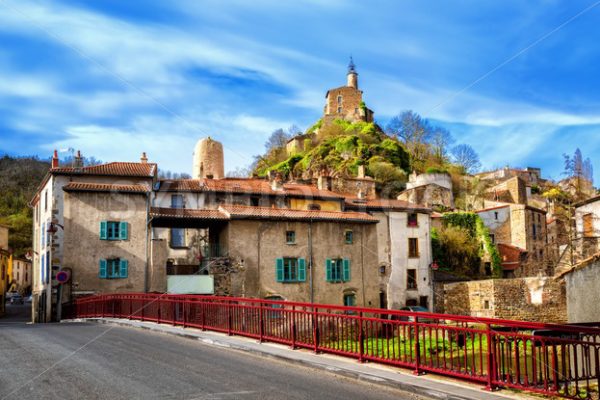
583	292
539	299
431	195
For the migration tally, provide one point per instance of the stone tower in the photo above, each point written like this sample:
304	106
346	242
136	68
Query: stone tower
352	75
208	159
345	102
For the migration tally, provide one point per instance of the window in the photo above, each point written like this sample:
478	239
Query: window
290	237
113	230
424	301
413	247
339	110
337	270
350	300
486	304
348	237
43	236
176	201
339	99
114	268
488	268
254	201
492	238
177	237
534	231
588	225
496	215
413	220
314	206
411	279
45	200
290	270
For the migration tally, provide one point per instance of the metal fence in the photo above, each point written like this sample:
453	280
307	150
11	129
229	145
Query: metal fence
550	359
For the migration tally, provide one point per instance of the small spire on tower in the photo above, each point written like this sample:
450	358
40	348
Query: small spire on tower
351	66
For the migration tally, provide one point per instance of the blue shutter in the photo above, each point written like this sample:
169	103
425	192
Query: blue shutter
328	270
103	273
42	268
123	234
123	267
279	269
103	230
301	270
346	276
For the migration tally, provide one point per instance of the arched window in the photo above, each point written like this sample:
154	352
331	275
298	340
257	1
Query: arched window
339	99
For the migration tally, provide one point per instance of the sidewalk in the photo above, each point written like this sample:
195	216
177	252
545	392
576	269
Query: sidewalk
429	386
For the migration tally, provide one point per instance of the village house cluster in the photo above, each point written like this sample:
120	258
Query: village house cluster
117	227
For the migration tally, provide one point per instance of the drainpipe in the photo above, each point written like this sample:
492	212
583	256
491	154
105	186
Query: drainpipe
147	248
310	262
362	263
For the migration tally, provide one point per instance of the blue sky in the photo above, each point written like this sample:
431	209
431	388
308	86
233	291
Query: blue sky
116	78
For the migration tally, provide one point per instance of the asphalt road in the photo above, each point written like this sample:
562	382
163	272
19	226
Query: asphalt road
93	361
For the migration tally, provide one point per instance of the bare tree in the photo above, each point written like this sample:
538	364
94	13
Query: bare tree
465	156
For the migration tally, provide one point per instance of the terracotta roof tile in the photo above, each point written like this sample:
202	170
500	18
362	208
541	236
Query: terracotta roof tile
248	186
385	204
104	187
187	213
247	212
511	256
133	169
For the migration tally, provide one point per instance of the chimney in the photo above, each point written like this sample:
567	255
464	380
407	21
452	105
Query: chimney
324	182
277	182
78	162
361	172
55	159
144	158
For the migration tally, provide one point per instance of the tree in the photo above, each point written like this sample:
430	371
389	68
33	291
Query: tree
240	172
465	156
277	140
579	175
441	140
415	133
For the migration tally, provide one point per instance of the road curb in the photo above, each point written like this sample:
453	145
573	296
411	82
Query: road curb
421	386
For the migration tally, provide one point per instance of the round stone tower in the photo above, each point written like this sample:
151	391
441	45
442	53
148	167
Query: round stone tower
352	75
208	159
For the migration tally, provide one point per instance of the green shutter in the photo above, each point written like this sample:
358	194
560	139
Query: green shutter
123	268
346	277
279	269
103	273
103	230
328	269
301	270
123	234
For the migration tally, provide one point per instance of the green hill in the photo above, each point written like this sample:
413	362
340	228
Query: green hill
19	178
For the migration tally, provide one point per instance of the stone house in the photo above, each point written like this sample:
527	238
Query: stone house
519	228
432	190
62	218
403	251
21	275
587	227
583	290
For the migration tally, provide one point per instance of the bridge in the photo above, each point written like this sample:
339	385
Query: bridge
549	359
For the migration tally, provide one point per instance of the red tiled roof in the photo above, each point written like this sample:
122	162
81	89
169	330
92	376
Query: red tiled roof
248	185
384	204
187	213
104	187
247	212
511	256
133	169
492	208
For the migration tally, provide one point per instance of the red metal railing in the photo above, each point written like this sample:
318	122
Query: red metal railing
550	359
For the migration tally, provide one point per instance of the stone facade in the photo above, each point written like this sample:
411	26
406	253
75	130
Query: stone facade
513	190
523	227
587	225
84	248
431	190
539	299
21	276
